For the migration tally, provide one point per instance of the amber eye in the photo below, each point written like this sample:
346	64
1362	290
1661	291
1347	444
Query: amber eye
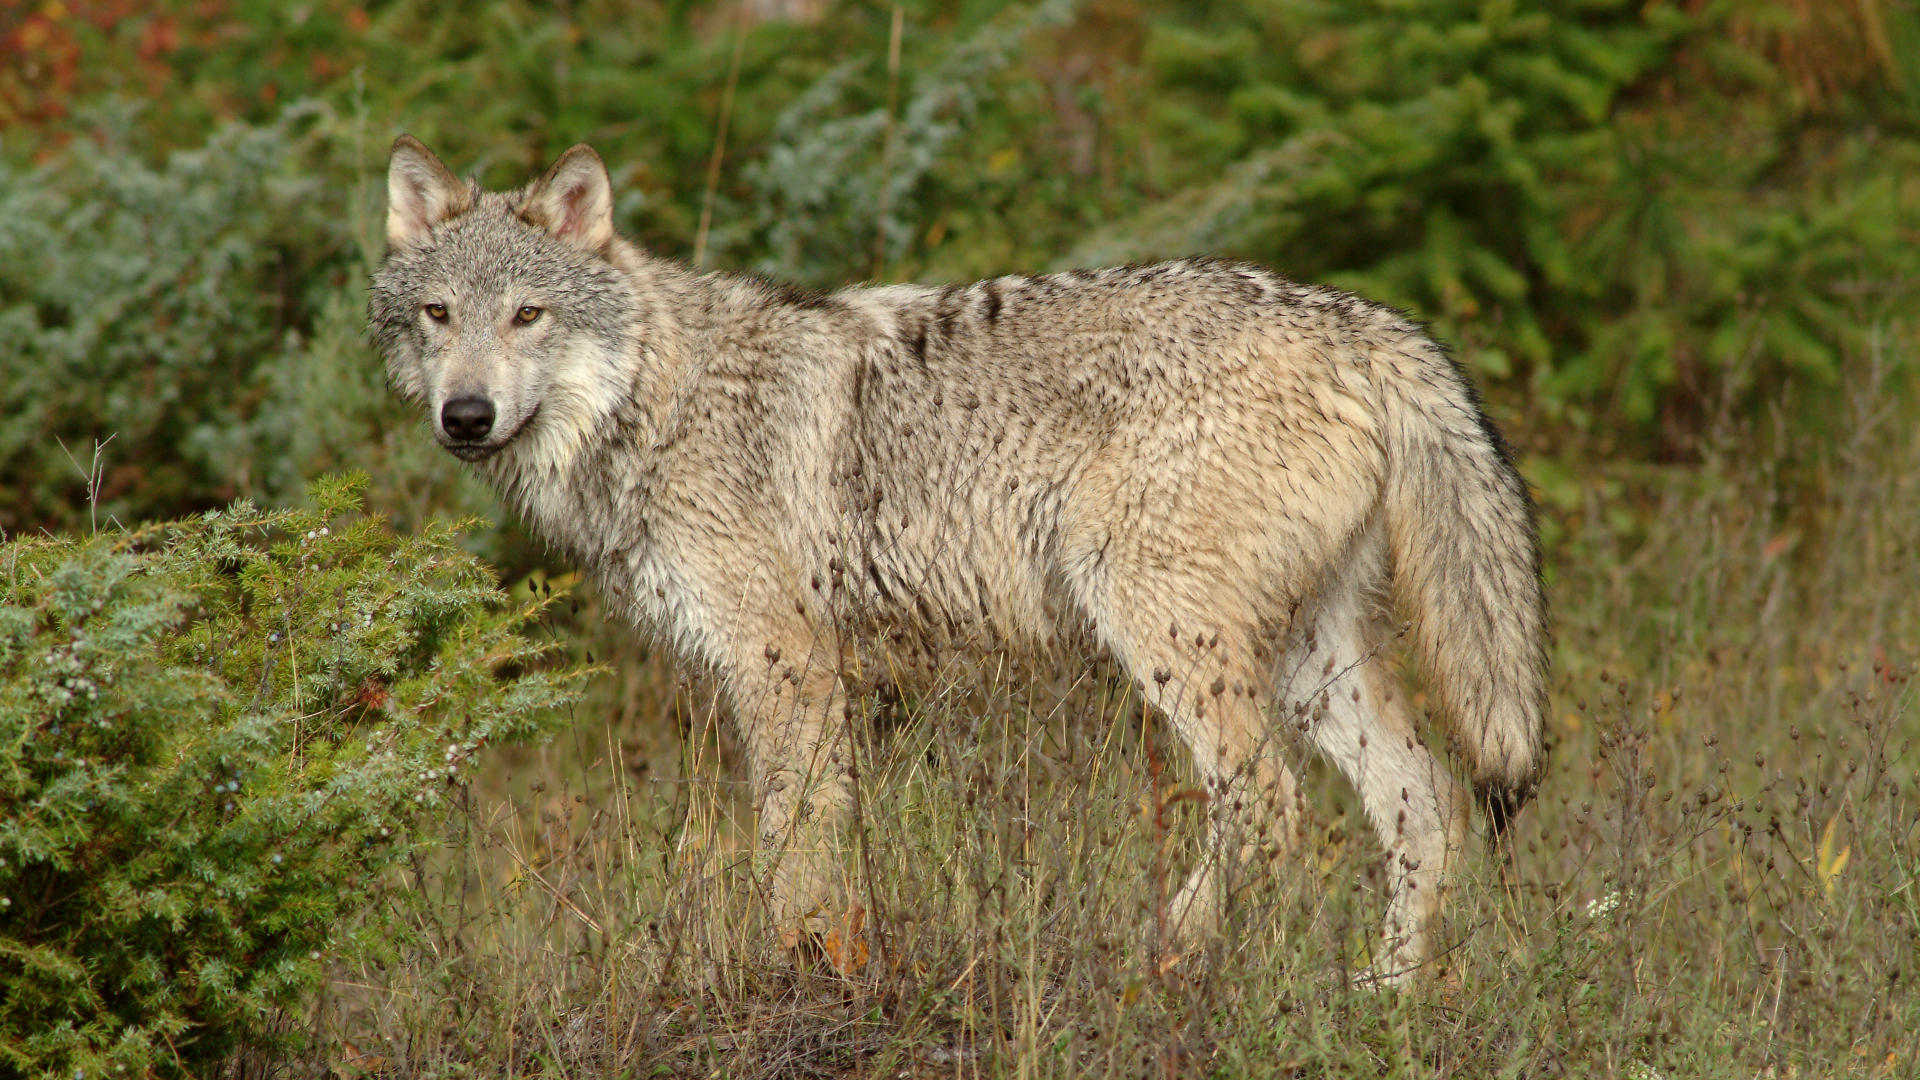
526	314
437	312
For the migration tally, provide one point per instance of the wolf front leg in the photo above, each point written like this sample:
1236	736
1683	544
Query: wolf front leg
793	718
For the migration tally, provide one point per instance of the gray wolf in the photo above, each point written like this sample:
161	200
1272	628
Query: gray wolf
1226	481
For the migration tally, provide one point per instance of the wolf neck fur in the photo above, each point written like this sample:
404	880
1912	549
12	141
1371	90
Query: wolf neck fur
578	484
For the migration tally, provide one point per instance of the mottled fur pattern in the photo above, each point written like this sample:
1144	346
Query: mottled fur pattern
1224	480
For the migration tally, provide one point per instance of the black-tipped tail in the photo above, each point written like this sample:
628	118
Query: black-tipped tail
1502	803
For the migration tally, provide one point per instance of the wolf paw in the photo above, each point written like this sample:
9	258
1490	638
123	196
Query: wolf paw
1400	974
837	939
1385	974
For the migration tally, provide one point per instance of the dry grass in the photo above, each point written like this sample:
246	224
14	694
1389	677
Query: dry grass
1718	879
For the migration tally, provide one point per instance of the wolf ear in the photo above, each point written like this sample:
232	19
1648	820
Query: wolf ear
574	201
421	193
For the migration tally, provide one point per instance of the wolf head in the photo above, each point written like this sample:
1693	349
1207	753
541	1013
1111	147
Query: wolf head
504	314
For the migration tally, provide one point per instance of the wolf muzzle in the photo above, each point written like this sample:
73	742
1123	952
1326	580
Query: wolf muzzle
467	419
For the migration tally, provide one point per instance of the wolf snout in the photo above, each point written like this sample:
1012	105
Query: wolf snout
467	419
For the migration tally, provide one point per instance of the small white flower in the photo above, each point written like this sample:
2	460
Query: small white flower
1604	906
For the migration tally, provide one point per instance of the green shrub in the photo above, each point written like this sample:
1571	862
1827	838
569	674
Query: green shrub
217	738
204	319
143	302
842	189
1637	211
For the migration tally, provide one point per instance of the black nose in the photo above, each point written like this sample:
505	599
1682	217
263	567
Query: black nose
467	419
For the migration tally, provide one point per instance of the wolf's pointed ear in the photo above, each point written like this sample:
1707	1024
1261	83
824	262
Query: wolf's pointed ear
574	201
421	193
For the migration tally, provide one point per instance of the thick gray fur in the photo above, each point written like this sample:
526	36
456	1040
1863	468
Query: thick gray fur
1226	481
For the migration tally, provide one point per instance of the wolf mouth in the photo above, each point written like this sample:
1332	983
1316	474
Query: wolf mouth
480	451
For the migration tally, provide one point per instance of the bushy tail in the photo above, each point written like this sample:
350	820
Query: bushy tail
1466	570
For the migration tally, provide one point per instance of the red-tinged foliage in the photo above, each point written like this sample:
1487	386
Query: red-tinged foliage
52	52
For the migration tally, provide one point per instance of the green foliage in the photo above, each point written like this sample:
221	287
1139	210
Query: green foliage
1624	214
829	152
143	302
1625	204
200	322
217	737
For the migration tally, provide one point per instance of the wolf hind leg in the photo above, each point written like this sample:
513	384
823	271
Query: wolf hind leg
1191	651
1253	814
1338	681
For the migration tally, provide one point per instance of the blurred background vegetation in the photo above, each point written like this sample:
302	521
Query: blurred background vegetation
1633	220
